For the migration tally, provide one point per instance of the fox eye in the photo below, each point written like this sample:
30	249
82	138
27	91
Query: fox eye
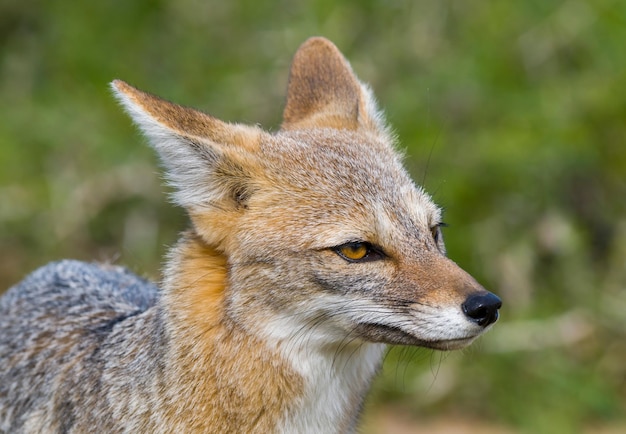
354	251
358	251
436	233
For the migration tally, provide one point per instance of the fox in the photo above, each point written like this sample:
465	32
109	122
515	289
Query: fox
310	251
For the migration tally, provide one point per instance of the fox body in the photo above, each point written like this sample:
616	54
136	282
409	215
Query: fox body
310	250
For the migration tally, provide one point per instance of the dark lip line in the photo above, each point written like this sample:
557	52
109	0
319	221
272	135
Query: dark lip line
404	338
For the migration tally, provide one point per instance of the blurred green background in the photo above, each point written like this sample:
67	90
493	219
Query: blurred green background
513	115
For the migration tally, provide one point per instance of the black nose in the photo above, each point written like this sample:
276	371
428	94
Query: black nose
482	308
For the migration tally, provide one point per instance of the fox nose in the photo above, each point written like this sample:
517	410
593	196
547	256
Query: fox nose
482	308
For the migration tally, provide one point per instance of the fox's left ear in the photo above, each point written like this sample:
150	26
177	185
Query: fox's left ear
207	161
324	92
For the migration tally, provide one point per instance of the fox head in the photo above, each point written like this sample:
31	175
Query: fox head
320	225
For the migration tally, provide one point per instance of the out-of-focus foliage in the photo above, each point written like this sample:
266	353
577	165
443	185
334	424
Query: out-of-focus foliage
513	115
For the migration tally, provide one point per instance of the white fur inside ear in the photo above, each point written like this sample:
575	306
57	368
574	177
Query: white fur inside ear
188	163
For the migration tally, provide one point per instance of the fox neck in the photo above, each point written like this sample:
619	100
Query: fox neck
252	382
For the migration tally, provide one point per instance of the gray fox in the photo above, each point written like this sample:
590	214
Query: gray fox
310	250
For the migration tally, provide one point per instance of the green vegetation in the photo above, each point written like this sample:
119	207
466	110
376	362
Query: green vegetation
513	115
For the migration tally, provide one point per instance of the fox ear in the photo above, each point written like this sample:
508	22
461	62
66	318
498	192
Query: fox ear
324	92
204	157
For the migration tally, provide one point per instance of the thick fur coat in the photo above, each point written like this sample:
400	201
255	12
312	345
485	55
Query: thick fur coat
310	249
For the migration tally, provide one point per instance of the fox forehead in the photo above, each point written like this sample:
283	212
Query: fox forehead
357	180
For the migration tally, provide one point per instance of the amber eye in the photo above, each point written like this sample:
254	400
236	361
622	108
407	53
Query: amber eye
358	251
354	251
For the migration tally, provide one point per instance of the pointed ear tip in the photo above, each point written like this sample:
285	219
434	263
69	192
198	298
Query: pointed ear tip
128	97
116	84
120	87
318	42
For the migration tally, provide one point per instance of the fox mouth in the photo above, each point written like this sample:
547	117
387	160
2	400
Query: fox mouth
395	336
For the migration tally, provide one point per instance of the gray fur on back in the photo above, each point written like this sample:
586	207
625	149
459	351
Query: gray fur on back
96	286
57	329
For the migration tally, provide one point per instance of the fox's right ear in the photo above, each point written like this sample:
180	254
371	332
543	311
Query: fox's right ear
205	158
